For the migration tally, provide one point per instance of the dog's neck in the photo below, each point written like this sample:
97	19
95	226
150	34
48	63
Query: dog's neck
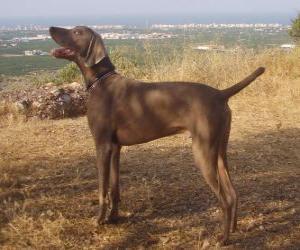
91	74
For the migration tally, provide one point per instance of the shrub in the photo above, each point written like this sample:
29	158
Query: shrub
295	30
124	63
67	74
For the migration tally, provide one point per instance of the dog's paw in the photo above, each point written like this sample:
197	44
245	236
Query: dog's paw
97	222
113	219
101	220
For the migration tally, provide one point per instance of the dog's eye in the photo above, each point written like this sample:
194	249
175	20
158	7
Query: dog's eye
76	32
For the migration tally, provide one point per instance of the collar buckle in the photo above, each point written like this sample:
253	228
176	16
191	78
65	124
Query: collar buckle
99	79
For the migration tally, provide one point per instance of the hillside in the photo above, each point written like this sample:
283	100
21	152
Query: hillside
48	181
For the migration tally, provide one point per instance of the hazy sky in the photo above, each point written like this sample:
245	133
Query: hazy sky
69	8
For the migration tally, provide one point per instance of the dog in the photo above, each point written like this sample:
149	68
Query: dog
124	112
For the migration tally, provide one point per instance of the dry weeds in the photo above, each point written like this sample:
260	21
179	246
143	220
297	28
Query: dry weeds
10	114
48	187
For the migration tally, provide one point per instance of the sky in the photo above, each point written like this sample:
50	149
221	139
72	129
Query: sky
71	8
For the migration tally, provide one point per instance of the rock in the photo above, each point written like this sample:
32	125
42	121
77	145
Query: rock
49	102
49	84
22	105
36	104
64	99
74	85
57	92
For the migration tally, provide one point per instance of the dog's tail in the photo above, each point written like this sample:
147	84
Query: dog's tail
227	93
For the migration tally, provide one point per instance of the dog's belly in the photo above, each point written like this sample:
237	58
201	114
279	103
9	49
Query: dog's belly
127	136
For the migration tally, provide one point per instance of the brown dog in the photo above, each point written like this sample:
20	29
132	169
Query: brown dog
122	111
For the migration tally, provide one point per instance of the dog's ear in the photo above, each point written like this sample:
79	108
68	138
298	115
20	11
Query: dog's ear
96	51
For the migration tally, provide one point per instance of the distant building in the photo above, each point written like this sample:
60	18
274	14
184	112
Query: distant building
203	47
210	48
28	53
35	53
287	46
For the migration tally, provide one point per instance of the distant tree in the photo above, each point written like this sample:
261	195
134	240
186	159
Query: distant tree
295	30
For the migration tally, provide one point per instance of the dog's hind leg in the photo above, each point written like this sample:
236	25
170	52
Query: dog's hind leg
224	172
206	156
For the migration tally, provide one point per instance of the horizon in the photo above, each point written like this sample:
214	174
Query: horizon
145	20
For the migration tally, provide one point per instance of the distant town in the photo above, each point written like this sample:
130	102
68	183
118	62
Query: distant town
154	26
221	25
30	44
123	32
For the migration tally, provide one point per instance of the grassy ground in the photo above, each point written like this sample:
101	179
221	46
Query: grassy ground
48	180
48	187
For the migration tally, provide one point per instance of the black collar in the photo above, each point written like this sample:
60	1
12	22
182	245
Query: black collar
99	78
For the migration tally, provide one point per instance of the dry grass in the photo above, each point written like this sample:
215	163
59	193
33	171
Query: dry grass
48	187
281	81
10	114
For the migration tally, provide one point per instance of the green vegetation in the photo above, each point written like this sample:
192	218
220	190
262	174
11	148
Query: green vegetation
19	65
295	30
69	73
44	45
134	50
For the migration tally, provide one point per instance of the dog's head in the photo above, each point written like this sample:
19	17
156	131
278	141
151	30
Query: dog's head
80	43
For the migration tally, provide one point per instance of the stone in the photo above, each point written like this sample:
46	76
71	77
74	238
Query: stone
49	102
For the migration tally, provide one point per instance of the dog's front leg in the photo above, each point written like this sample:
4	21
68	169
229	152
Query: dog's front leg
104	151
114	182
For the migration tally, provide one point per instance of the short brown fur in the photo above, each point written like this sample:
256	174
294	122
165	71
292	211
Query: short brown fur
123	111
